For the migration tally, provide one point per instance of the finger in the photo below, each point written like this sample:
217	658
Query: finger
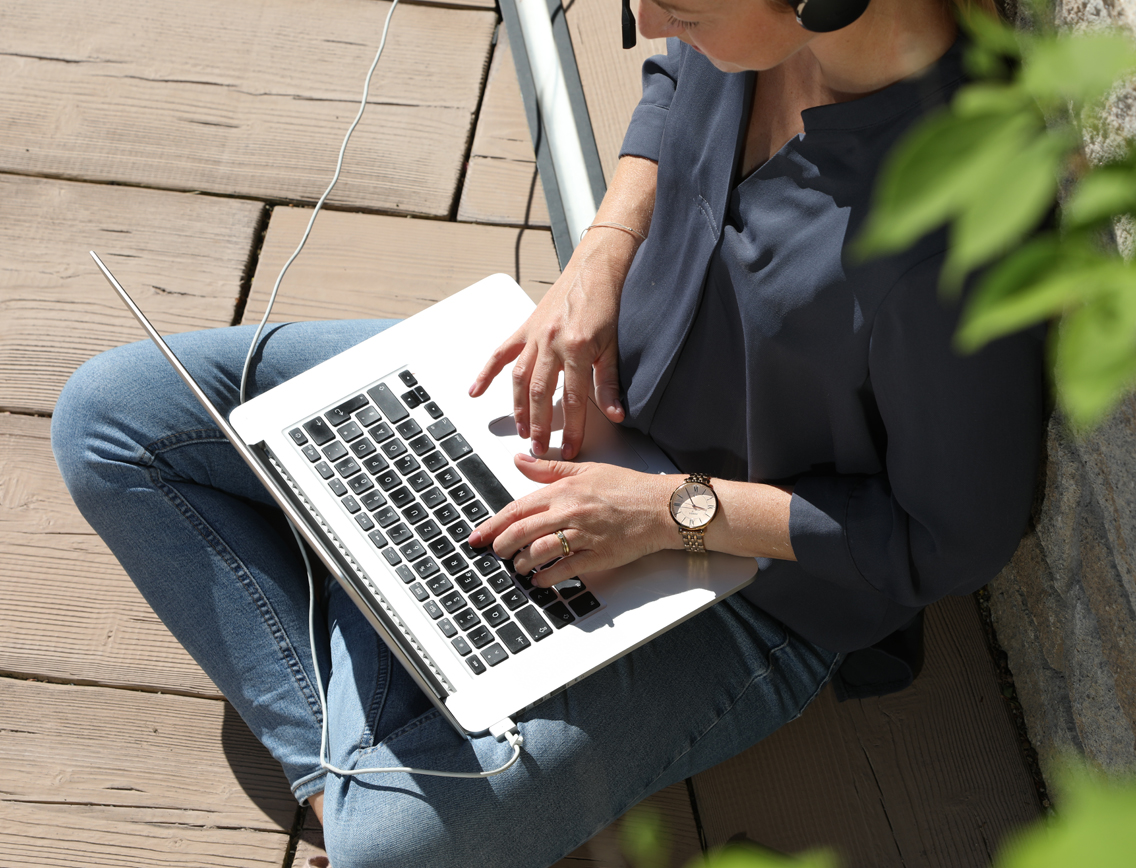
607	387
486	533
542	390
497	360
522	372
544	470
542	551
577	383
567	568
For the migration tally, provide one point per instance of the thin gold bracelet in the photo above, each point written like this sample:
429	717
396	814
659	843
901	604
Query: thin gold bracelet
626	229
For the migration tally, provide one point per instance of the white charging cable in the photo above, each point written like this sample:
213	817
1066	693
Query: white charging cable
506	730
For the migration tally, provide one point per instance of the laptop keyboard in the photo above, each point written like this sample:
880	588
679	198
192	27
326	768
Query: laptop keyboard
416	489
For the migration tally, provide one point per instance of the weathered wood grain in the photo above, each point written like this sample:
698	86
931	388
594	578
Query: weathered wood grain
70	613
931	776
611	77
122	772
247	99
501	182
182	257
360	265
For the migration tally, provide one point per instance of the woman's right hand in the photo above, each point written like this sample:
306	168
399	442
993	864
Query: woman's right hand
573	330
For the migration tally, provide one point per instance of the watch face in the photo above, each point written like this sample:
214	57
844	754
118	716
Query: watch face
693	504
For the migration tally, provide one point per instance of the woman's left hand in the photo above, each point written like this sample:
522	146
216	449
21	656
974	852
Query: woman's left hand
609	516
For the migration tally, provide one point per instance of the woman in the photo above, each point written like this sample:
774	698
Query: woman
869	468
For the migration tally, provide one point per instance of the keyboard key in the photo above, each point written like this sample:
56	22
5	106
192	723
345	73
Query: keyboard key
399	534
494	654
468	580
486	564
408	429
480	598
363	447
467	619
435	461
412	550
339	415
373	500
438	585
411	398
392	556
319	431
414	513
433	497
364	521
419	481
381	433
426	567
427	530
393	448
323	470
533	623
475	664
421	445
378	539
388	402
456	446
350	504
388	479
375	464
441	429
432	609
542	596
471	553
570	588
499	581
419	592
367	417
452	602
347	467
513	638
350	432
401	496
513	599
406	465
447	477
433	409
337	487
559	615
407	379
453	564
407	575
311	453
480	637
486	482
334	451
445	513
495	615
447	627
362	483
584	604
459	530
475	511
460	493
421	394
386	516
441	547
460	645
298	435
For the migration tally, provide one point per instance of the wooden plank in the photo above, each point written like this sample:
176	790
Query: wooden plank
360	265
929	776
181	256
611	77
249	99
70	613
175	761
602	851
501	182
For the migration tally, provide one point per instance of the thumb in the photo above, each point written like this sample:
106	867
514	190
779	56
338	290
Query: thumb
542	470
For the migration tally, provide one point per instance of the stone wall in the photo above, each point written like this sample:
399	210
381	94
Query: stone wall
1065	607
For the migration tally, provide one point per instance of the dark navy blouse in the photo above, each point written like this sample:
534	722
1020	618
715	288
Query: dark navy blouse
755	346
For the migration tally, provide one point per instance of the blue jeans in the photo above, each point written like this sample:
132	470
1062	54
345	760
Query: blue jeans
205	545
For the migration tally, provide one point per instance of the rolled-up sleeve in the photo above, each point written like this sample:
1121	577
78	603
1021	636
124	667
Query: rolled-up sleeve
963	439
660	78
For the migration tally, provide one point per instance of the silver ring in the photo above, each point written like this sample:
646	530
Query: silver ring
563	543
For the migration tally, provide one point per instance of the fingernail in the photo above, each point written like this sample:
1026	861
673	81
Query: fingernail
566	452
537	449
475	539
524	456
522	431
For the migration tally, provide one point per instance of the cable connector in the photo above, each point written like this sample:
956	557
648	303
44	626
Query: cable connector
503	729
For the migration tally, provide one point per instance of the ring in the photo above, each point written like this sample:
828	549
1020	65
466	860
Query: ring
563	543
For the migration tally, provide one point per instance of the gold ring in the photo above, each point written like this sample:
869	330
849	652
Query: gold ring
563	542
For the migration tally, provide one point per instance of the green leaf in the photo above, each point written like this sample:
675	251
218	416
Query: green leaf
990	98
1095	356
935	169
1102	194
644	838
1082	68
1004	210
990	33
744	856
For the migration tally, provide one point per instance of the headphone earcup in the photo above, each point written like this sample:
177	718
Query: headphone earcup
824	16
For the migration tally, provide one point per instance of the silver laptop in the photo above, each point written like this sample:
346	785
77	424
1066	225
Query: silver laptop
385	464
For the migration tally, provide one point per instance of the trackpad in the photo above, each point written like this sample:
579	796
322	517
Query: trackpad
604	442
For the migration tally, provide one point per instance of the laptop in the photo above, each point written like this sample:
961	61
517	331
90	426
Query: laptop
385	465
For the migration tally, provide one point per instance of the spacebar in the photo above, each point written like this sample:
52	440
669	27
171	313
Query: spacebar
482	478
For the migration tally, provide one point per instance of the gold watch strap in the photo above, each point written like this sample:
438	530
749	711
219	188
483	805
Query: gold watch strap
693	540
699	477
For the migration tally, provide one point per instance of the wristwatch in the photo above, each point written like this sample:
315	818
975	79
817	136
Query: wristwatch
693	506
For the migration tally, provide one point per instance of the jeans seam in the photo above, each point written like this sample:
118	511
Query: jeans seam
240	572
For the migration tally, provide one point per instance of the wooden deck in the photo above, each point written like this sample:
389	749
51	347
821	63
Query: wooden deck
186	143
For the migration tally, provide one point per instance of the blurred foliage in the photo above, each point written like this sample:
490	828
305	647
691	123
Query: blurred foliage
1094	827
990	166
